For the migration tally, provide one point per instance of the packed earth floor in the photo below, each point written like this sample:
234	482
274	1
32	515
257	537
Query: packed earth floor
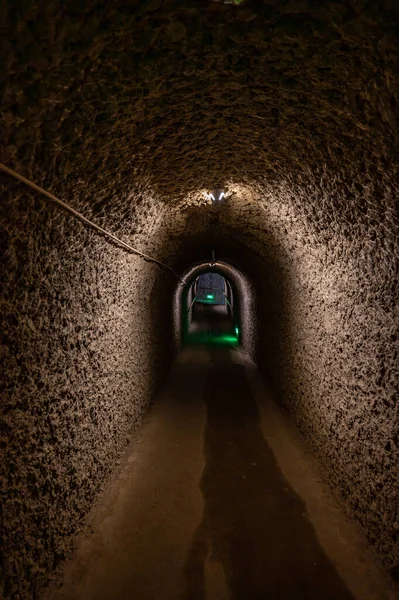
257	140
217	499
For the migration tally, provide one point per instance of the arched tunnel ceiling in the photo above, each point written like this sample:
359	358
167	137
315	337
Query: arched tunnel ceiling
110	99
130	110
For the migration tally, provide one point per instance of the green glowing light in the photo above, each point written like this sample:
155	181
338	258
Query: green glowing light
237	330
212	339
210	296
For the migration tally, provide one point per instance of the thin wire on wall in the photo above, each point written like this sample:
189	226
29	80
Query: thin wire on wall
85	220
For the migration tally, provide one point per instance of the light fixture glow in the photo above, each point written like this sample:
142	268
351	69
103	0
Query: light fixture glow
216	195
237	330
210	296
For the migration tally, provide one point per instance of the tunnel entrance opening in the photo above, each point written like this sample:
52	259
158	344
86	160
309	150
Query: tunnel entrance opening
210	315
240	305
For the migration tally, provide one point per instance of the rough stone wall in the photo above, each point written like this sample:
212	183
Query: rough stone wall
187	95
341	381
326	282
85	342
130	110
329	347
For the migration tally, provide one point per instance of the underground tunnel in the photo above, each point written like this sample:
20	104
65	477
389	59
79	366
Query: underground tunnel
208	308
253	144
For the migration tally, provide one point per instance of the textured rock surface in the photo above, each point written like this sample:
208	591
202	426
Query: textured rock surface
129	110
85	342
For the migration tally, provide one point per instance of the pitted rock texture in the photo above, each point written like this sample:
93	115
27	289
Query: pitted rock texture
81	321
129	111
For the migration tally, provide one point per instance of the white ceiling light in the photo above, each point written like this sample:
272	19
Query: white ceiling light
216	195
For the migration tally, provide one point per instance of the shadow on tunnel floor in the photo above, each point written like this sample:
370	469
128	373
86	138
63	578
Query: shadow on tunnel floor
254	524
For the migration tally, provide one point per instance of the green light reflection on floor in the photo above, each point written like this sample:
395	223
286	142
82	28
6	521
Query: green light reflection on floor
212	339
208	302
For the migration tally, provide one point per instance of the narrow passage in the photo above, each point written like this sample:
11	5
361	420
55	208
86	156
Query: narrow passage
201	508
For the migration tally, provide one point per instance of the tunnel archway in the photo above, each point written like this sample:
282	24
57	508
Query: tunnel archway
133	112
242	318
211	316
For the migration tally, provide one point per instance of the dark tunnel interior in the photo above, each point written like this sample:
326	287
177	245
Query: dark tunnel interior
257	140
210	311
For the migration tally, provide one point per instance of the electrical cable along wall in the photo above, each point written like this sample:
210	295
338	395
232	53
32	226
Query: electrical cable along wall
79	349
69	209
135	114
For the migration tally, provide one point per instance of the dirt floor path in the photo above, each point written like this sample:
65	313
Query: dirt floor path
217	499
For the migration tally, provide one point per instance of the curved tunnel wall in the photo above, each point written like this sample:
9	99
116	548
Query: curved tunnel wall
85	341
130	111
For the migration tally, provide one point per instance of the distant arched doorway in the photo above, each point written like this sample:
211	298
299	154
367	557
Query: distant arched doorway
210	288
241	306
210	308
